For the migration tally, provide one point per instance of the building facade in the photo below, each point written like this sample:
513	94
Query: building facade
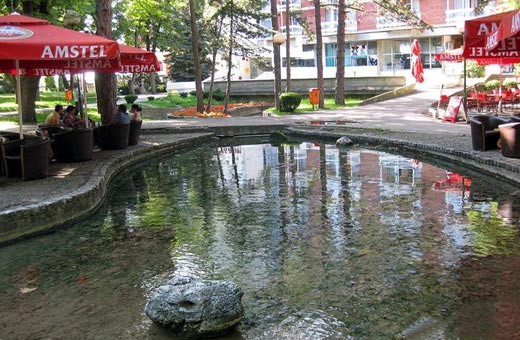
376	44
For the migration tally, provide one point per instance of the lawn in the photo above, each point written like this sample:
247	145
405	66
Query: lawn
47	100
50	99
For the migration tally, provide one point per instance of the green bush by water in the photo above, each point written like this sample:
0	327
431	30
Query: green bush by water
289	101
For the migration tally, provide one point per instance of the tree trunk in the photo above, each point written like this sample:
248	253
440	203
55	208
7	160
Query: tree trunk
28	98
230	59
288	45
212	81
196	56
319	51
276	57
106	85
131	84
340	55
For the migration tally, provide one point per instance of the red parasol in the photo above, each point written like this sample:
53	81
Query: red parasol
416	66
478	40
25	39
131	60
506	34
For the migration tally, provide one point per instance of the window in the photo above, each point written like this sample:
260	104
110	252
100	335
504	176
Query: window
356	54
397	55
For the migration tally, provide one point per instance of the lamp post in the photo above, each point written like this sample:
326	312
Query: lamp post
278	40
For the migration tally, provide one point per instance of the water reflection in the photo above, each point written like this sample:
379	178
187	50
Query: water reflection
326	243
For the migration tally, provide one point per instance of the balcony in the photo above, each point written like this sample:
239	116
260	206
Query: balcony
293	5
293	29
386	23
460	14
331	27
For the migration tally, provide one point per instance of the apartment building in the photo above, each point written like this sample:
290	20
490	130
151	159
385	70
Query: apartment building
376	44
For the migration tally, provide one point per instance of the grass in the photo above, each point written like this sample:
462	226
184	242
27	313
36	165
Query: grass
47	100
329	104
50	99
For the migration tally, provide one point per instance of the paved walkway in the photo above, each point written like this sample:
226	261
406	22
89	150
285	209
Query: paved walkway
75	188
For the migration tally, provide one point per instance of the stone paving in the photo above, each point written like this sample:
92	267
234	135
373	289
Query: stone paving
74	189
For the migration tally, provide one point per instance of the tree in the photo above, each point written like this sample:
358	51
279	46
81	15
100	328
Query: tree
319	51
340	55
105	82
276	56
196	56
287	46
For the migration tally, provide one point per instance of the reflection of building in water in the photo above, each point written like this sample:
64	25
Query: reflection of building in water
243	161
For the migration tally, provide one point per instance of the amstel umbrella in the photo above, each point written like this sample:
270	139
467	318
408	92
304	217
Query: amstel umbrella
131	60
416	66
27	39
478	44
507	31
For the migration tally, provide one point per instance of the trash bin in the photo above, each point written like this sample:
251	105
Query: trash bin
314	96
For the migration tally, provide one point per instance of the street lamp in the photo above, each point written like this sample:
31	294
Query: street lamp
278	39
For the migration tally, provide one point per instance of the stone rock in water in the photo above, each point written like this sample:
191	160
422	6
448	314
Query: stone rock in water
344	141
193	307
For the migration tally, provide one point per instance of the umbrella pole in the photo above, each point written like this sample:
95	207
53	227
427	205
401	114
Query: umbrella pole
19	97
465	101
84	85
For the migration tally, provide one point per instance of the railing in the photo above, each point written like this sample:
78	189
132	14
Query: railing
293	4
383	22
329	27
293	29
453	15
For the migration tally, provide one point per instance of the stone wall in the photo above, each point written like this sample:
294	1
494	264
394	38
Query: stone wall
353	85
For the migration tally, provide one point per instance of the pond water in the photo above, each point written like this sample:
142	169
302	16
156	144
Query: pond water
326	244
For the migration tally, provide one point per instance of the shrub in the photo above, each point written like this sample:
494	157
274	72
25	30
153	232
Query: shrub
161	88
124	89
50	84
509	83
492	84
151	98
475	70
183	95
289	101
218	95
130	98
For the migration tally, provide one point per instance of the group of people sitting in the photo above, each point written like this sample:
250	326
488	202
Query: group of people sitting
69	117
122	116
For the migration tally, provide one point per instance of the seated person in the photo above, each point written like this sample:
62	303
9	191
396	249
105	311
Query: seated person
55	117
135	113
71	119
122	116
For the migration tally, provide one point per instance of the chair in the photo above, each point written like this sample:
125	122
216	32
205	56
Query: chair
26	158
11	157
35	159
135	132
484	132
50	130
112	136
73	145
510	138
